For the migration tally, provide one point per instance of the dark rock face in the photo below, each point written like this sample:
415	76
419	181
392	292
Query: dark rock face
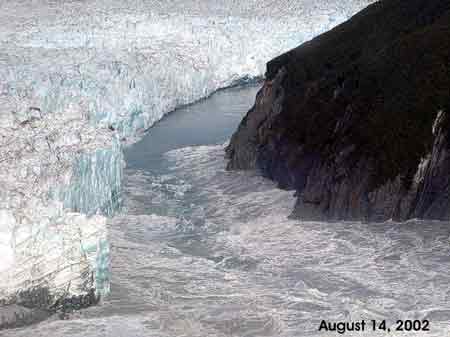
357	120
35	305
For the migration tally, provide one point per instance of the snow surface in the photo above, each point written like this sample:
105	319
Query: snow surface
78	77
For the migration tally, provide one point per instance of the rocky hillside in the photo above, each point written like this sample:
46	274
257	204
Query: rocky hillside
357	121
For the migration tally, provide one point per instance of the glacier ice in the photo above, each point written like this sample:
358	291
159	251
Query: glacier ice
78	78
128	67
95	183
45	243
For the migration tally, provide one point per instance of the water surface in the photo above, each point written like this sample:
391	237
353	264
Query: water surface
199	251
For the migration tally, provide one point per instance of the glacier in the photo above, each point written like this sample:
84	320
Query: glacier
130	64
80	79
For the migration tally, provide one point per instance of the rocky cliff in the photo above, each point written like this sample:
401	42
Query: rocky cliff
357	120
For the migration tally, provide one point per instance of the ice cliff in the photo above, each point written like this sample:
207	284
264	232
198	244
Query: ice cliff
47	245
79	78
357	120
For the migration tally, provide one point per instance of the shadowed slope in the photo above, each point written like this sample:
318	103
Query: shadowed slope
347	118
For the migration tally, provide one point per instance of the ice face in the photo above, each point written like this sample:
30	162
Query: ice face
64	251
43	243
75	77
7	223
96	182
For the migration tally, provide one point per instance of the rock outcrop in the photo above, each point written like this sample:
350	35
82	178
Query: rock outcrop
357	120
35	305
